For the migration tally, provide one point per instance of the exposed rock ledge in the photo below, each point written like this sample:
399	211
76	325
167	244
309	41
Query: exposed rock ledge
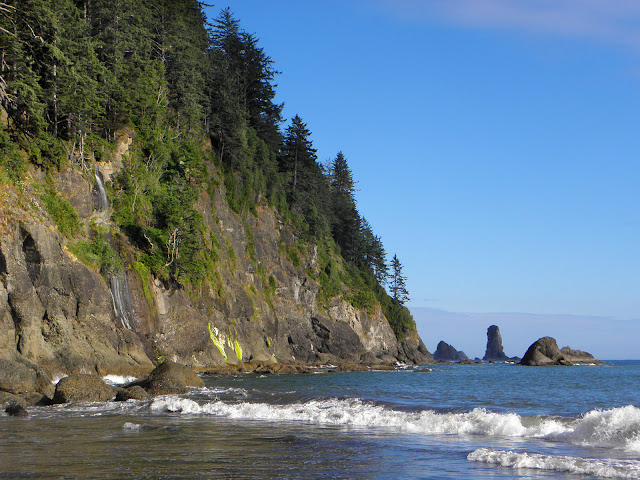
578	356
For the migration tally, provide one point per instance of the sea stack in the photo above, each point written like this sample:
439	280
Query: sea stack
544	352
494	352
447	353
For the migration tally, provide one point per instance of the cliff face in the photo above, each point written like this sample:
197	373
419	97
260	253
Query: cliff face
54	312
58	314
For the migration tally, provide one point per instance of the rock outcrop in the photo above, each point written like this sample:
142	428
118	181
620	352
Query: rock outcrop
544	352
171	378
447	353
578	356
82	388
16	410
494	351
135	392
55	313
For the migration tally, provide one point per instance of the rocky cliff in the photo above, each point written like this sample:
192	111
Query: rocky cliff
60	315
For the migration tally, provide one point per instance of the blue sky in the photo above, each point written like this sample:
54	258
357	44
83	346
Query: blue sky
495	143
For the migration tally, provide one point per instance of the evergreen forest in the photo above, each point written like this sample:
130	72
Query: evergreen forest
199	97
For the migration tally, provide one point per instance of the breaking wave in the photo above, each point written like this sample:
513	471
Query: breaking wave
116	380
618	427
602	468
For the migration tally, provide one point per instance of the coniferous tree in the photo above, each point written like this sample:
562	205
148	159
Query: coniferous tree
298	159
181	44
22	26
397	282
79	108
346	222
241	90
305	184
373	253
123	31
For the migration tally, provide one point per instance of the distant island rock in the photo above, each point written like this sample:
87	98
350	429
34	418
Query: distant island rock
447	353
545	352
495	352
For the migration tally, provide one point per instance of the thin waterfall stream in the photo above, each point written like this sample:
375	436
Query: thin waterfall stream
121	295
100	194
118	282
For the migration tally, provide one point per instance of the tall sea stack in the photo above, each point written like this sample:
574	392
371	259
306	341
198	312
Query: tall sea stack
495	352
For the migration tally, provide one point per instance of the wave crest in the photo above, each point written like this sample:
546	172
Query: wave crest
618	427
357	413
573	465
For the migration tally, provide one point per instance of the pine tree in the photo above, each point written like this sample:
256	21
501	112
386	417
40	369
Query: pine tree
346	222
241	90
298	160
181	44
397	282
373	253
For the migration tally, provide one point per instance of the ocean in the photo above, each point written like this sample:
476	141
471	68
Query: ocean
496	421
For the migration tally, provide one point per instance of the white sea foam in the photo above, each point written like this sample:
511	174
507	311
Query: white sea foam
357	413
617	428
132	427
602	468
118	379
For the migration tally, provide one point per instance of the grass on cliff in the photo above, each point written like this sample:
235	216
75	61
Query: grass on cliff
98	255
62	213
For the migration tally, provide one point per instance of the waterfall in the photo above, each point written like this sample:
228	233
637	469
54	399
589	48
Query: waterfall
121	296
101	201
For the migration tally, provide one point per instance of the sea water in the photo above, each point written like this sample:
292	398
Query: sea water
496	421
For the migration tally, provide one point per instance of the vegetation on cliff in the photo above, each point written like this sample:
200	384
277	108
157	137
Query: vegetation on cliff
76	76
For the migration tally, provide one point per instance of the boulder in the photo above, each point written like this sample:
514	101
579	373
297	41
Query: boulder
44	386
16	410
171	378
445	352
82	388
544	352
494	351
7	399
16	378
135	392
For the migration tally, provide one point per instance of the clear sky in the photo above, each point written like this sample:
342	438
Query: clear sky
495	143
